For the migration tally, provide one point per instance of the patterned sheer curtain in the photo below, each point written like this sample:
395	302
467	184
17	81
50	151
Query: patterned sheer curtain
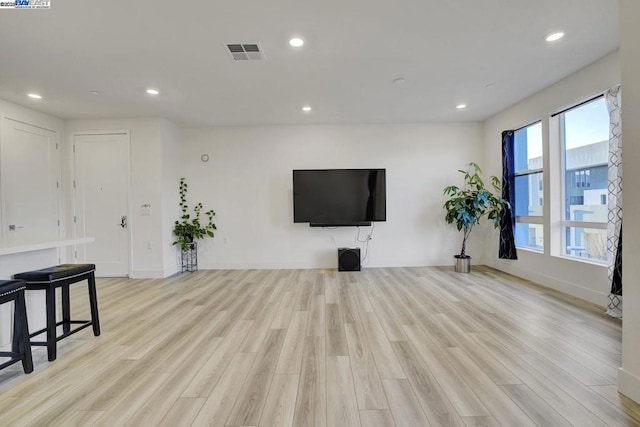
507	248
614	194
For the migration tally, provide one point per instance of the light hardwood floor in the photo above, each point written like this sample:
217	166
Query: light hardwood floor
381	347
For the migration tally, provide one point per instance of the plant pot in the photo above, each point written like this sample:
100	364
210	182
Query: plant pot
190	257
462	264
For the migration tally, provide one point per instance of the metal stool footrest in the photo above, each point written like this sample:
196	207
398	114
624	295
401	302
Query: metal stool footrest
84	323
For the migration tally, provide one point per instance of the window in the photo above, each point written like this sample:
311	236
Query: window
584	138
528	187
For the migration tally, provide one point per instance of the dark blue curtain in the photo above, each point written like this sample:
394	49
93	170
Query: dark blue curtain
507	220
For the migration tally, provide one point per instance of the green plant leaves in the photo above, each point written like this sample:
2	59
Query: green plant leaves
187	230
466	206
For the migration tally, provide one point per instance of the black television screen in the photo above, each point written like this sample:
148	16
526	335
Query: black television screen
339	196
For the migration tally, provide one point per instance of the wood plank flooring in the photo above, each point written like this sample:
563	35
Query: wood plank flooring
382	347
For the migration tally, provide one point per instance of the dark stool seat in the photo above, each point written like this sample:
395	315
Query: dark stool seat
13	290
61	276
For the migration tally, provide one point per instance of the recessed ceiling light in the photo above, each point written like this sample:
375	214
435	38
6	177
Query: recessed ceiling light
296	42
153	92
555	36
34	96
399	80
94	92
461	106
306	108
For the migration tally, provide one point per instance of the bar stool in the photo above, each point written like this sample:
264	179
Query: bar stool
13	290
61	276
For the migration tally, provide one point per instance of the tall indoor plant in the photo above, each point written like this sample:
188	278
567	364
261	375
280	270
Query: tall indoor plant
189	228
467	205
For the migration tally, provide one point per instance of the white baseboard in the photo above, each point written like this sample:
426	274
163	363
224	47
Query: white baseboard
553	283
312	265
147	274
154	274
629	385
257	266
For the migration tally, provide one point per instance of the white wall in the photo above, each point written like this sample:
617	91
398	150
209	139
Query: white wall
581	279
171	173
147	258
30	116
629	376
248	182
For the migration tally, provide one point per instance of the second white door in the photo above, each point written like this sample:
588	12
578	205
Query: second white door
29	183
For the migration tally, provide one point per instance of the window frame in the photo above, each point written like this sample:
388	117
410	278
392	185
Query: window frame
563	222
530	219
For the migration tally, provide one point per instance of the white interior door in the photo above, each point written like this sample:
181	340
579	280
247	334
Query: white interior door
30	183
102	201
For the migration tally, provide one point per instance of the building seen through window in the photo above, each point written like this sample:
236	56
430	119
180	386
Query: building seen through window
528	187
585	144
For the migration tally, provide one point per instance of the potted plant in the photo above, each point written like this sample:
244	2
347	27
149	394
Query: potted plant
189	228
467	205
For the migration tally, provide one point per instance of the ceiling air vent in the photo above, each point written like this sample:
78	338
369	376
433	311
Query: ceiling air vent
246	52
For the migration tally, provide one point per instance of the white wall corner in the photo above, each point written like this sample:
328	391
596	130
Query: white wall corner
170	271
148	274
629	384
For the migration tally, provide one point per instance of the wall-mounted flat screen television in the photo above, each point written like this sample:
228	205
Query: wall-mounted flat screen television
339	197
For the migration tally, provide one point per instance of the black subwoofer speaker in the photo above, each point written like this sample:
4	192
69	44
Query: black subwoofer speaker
349	259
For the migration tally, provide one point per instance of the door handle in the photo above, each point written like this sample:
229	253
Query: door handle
13	227
123	222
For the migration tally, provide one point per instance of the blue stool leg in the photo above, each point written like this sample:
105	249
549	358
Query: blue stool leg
93	302
17	332
51	323
24	342
66	309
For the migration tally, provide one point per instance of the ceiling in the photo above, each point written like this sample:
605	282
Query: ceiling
487	54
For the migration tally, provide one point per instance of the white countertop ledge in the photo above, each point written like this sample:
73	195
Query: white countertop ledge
30	247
